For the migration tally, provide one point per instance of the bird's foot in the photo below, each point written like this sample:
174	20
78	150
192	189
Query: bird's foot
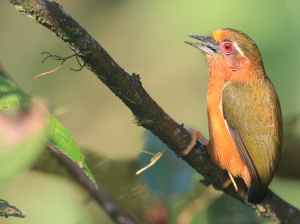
195	135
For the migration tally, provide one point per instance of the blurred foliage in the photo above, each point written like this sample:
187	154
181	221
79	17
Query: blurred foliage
290	157
231	211
118	176
145	37
20	155
21	133
158	195
13	100
170	177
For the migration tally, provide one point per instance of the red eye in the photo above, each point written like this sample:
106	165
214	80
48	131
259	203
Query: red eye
227	47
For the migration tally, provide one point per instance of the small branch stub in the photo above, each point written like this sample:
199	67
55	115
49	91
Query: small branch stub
154	159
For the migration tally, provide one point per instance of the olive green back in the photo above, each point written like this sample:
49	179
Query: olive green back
253	117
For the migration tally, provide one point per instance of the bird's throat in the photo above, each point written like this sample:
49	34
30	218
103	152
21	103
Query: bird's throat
235	68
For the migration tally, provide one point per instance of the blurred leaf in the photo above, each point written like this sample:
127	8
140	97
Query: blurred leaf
291	126
288	189
194	204
49	163
21	141
7	210
14	100
229	210
170	181
169	176
289	161
118	177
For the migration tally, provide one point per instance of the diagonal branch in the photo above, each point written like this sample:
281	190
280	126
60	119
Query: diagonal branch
146	111
103	198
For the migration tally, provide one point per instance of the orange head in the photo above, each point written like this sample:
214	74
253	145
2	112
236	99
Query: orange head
229	53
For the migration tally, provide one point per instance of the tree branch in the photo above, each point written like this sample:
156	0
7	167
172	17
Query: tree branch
103	198
146	111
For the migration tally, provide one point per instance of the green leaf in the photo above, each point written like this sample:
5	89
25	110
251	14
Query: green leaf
13	100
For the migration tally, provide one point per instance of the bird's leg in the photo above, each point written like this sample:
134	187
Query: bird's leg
228	182
195	135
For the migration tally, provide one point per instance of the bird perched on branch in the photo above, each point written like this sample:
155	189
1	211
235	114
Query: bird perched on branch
245	121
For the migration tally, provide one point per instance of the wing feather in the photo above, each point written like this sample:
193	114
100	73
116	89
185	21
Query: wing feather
253	118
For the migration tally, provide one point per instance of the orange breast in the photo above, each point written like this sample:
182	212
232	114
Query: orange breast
221	146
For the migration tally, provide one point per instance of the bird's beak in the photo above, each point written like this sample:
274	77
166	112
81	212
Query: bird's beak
207	46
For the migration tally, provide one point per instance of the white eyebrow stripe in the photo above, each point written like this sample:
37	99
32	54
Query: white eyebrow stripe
238	49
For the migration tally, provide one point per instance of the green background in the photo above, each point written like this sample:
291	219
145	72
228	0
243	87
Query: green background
144	37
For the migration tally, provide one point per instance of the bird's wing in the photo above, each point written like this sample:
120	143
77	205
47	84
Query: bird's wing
253	118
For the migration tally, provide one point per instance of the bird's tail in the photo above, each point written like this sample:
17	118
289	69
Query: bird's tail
254	195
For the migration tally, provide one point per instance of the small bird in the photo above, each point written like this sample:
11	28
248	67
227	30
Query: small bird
244	115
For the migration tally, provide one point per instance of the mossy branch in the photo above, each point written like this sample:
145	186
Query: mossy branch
145	110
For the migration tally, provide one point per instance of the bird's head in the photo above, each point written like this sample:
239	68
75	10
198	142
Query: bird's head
229	50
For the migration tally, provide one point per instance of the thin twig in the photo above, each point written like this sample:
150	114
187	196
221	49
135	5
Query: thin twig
55	57
153	160
146	152
81	66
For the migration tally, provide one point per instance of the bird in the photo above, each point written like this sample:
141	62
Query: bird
244	114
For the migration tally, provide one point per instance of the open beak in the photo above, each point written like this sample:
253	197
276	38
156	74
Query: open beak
207	46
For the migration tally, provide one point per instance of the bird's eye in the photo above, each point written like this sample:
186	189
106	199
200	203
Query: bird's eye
227	47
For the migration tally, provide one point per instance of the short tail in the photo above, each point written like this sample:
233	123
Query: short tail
254	195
